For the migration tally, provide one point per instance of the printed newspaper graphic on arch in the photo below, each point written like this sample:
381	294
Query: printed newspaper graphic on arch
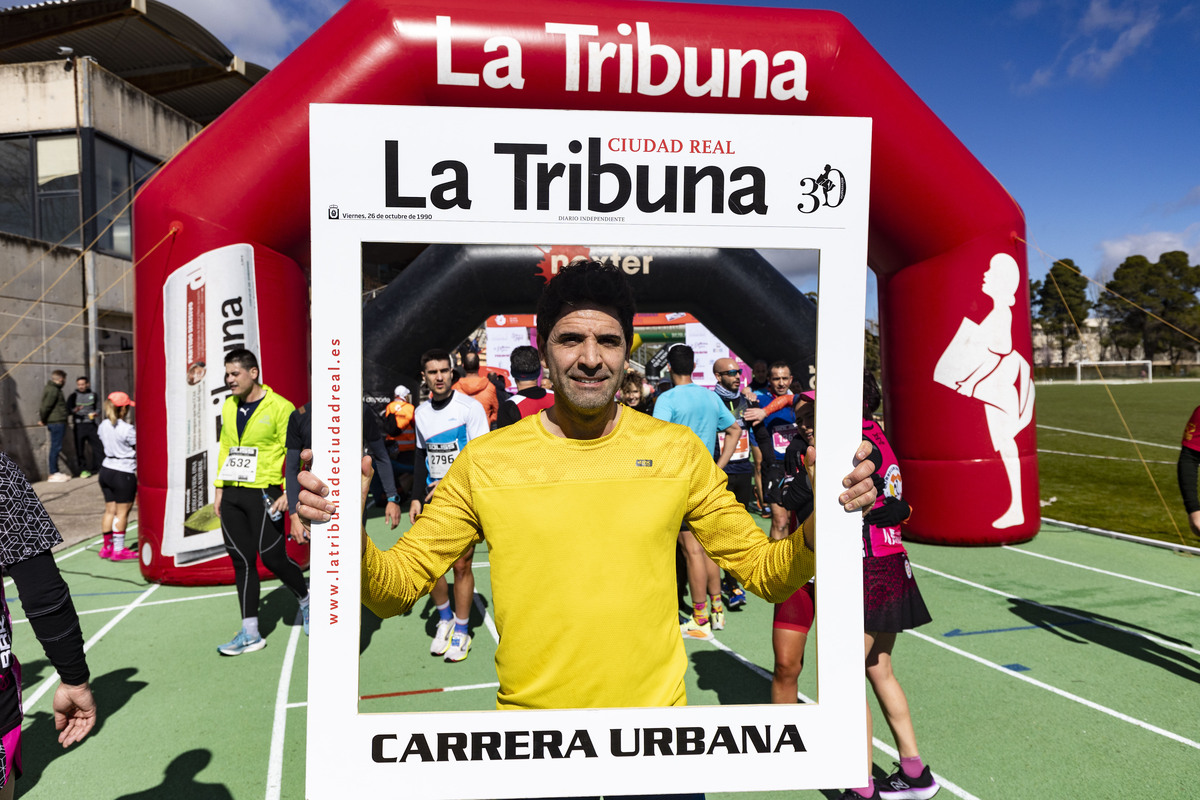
554	179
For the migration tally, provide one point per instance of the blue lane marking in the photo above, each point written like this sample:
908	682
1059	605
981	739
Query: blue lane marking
961	632
1017	667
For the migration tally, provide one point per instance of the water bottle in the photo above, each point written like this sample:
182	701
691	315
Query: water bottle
271	512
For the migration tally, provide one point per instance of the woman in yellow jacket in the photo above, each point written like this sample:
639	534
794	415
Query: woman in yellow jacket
249	499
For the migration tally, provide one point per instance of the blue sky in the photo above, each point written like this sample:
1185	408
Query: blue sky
1088	111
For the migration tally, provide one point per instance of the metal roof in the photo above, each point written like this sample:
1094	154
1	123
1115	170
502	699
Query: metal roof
149	44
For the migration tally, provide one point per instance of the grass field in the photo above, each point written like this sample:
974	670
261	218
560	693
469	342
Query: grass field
1095	473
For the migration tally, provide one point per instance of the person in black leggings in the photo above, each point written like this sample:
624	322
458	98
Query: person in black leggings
27	535
249	499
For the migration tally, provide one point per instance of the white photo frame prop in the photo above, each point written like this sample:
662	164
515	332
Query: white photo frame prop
406	174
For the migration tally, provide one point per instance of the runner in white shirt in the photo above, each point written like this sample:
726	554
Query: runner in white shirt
445	423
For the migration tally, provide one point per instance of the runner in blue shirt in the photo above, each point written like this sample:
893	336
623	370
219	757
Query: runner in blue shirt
697	408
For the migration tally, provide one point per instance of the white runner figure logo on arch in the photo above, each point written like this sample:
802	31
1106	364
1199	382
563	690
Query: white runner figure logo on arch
980	362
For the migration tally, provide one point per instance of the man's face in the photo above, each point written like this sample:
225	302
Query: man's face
240	380
58	379
806	420
438	377
759	371
781	380
584	357
728	374
82	385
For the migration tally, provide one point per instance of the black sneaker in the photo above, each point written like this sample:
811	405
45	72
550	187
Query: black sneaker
899	786
850	794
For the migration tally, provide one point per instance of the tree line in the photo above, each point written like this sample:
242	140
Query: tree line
1151	304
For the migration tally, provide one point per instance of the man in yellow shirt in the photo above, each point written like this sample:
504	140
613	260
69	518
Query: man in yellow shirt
619	485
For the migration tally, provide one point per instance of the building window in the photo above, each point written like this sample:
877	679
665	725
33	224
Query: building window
16	195
39	188
57	189
117	171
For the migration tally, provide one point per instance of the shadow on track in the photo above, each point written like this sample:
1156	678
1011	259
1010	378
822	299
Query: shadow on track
717	672
278	607
39	740
1115	634
179	781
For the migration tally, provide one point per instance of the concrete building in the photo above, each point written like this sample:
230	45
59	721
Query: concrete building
95	96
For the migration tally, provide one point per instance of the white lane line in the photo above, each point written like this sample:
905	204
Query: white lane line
52	679
1148	636
1105	436
279	726
145	605
487	618
1101	571
1060	692
1103	458
62	556
1124	537
884	747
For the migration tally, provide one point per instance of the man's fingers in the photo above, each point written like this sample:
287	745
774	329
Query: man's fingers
313	507
312	483
859	496
861	472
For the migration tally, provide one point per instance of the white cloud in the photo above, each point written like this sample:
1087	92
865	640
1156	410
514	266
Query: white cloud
1104	38
1151	245
1190	200
1101	16
261	31
1097	61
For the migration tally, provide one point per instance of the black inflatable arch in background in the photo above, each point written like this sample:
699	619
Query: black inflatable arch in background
440	298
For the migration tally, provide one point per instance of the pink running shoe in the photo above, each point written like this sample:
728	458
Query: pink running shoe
106	550
124	554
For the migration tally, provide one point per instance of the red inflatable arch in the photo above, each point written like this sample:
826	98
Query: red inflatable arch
956	347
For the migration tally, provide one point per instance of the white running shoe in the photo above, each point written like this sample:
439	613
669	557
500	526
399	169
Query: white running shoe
717	620
59	477
692	630
242	643
441	637
460	645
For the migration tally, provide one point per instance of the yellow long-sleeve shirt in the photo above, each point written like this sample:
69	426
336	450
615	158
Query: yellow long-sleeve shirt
573	525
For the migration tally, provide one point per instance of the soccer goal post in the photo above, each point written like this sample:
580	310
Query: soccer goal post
1110	371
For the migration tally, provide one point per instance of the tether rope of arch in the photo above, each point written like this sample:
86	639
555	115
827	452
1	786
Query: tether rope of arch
1116	406
77	229
66	271
170	233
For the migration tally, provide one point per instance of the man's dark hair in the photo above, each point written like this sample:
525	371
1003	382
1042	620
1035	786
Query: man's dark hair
584	282
779	365
524	363
58	373
471	362
495	380
82	378
242	357
436	354
872	396
682	359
